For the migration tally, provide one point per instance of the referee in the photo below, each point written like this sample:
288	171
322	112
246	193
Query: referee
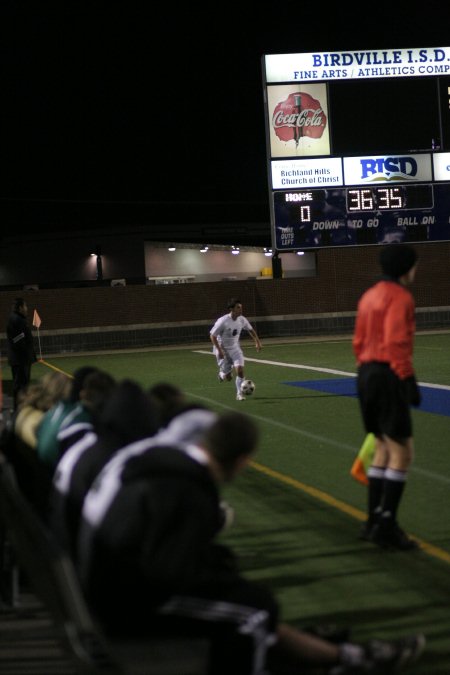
387	387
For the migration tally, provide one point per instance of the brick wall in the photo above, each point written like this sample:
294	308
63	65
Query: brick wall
342	275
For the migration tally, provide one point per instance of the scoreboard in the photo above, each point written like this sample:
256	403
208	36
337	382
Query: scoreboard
356	147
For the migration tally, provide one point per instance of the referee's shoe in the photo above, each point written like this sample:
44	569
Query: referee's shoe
388	534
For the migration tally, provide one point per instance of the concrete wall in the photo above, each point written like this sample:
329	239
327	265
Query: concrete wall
220	265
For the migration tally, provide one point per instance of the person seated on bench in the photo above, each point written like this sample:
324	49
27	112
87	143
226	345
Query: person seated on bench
151	564
90	387
36	399
127	415
19	436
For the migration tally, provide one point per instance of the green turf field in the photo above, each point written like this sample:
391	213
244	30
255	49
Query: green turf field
298	511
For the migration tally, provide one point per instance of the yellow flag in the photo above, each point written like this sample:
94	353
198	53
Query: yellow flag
363	460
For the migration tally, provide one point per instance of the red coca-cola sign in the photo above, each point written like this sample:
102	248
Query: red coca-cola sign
298	115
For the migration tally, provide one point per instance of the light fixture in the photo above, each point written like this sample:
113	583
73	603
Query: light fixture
97	254
300	252
235	250
267	252
96	251
171	248
204	249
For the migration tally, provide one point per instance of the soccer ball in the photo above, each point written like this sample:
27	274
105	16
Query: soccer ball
247	387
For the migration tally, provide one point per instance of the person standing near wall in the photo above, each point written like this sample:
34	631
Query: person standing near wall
20	347
225	336
387	387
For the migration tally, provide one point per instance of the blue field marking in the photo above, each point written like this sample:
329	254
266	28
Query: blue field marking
435	401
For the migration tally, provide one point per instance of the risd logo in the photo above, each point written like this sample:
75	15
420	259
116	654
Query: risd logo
388	169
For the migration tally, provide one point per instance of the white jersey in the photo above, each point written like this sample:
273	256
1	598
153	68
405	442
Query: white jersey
228	330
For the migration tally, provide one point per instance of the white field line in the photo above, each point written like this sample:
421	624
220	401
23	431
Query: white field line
317	437
331	371
288	365
432	550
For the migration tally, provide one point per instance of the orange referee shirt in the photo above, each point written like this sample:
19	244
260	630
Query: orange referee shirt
385	327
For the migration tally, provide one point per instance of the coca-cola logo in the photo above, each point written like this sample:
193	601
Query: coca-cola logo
298	115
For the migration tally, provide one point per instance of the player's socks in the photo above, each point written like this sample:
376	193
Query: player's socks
239	381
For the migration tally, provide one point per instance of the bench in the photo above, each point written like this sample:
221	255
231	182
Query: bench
52	576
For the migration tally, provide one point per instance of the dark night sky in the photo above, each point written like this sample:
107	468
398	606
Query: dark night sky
119	102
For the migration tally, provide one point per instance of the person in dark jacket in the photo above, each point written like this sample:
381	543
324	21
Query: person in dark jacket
126	416
20	347
150	562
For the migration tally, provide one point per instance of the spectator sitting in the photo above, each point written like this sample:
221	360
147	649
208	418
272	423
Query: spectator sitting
35	401
167	398
60	416
126	416
150	564
95	393
19	439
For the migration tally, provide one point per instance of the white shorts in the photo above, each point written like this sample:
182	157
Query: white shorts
233	357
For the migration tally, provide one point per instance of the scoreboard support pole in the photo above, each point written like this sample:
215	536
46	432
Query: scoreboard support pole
277	270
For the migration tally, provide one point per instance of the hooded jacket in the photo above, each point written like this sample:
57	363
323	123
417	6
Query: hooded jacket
156	538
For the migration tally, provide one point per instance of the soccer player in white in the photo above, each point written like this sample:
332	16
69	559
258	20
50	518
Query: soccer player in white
225	335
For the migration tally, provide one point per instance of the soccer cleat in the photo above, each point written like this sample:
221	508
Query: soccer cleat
219	377
391	656
240	397
380	657
388	534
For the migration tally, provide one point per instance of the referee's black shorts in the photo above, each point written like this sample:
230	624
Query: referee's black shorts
384	401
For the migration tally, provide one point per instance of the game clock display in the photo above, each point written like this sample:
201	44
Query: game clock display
369	214
389	198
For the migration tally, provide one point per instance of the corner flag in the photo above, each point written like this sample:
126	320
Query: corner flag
363	460
36	323
36	319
